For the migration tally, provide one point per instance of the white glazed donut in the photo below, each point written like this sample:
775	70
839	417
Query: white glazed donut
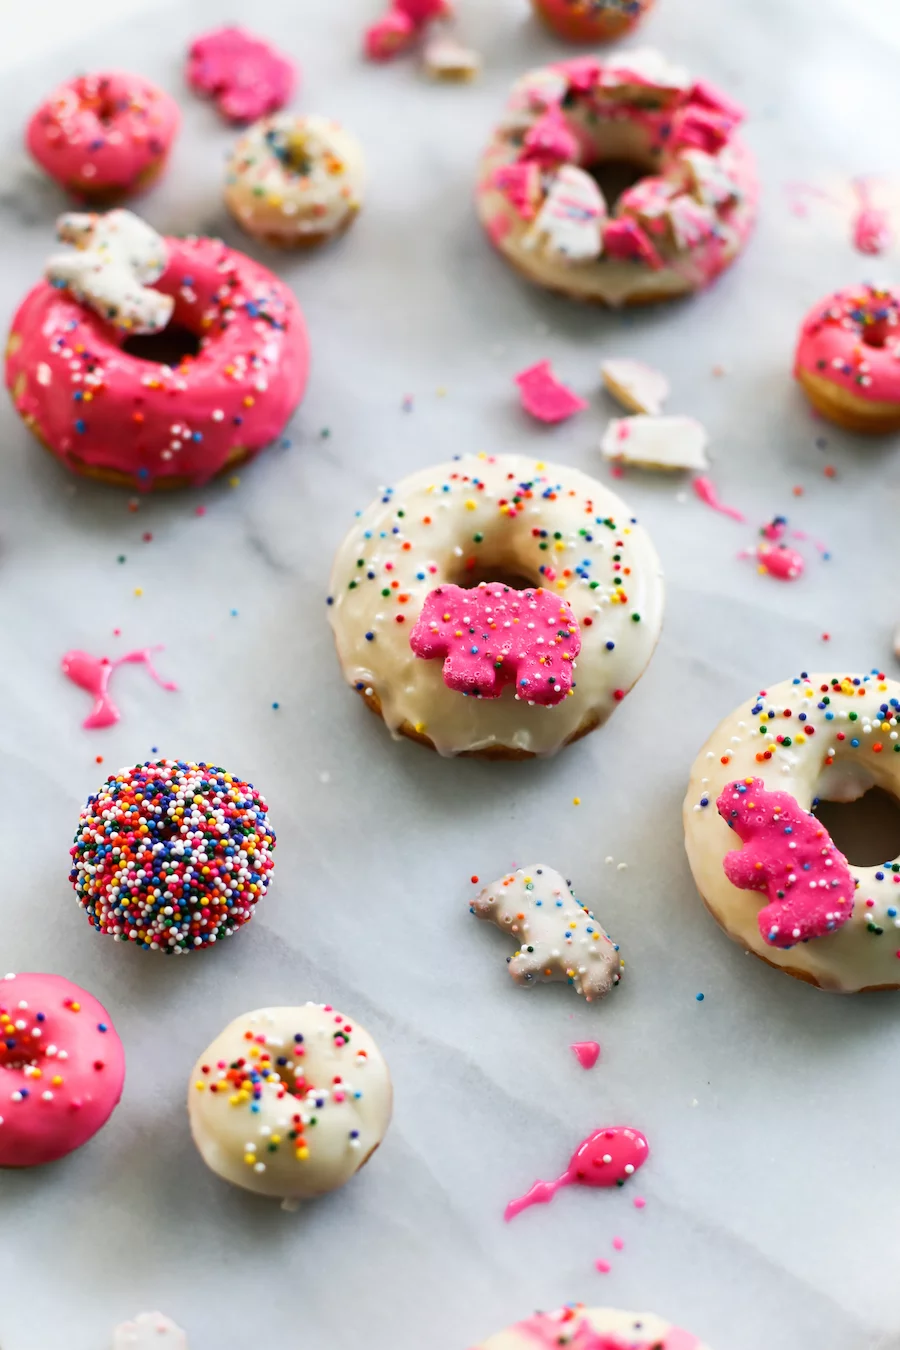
290	1102
295	181
670	233
497	518
815	737
585	1328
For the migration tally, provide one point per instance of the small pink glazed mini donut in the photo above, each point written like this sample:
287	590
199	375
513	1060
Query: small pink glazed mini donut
591	20
151	362
104	136
62	1067
848	359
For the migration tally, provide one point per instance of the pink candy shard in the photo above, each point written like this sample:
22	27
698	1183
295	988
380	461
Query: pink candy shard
246	77
626	240
789	855
550	141
544	397
492	636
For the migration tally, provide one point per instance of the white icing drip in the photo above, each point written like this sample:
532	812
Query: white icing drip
115	260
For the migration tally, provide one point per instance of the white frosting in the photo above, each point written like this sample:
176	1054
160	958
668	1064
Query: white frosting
638	387
651	67
559	938
115	260
637	1331
445	58
342	1122
423	533
294	179
657	442
567	227
532	94
149	1331
856	956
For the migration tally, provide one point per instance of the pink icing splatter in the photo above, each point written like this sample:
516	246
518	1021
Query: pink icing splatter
871	225
544	397
93	674
403	24
602	1266
492	636
781	561
705	489
619	1244
606	1158
586	1052
789	855
639	1202
245	76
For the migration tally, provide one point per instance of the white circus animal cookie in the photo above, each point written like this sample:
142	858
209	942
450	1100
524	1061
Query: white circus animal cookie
445	58
569	224
149	1331
559	938
638	387
656	442
112	267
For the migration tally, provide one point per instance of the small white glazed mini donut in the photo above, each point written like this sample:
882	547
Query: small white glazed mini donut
670	233
433	636
764	865
295	181
290	1102
583	1328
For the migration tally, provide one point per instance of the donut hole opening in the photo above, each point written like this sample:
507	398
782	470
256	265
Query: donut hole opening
167	348
875	334
614	176
866	829
470	577
14	1055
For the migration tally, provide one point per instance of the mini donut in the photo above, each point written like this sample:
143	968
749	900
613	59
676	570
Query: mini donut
62	1068
592	1329
569	646
235	373
290	1102
104	136
591	20
172	856
848	359
295	181
764	768
670	233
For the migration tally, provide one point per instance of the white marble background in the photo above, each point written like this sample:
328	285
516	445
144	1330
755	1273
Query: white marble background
773	1192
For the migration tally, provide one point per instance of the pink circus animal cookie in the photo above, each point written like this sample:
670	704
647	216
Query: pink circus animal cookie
580	1328
608	1157
229	372
62	1067
493	636
104	136
788	855
591	20
401	26
559	938
243	74
544	397
847	359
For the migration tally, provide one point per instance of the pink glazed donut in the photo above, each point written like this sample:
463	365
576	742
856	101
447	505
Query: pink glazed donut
62	1068
167	421
104	136
848	359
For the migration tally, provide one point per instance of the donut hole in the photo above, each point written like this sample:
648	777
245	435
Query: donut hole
14	1055
615	175
875	334
167	348
470	577
866	829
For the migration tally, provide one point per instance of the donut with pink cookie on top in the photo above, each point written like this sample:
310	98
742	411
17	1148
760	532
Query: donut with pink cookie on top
671	232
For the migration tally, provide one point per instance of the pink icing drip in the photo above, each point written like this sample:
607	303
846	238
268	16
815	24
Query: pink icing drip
603	1159
871	225
705	489
246	77
544	397
493	636
778	560
789	855
93	674
586	1052
850	339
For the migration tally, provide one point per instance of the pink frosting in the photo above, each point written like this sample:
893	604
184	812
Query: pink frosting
97	405
93	674
780	561
852	340
492	636
544	397
62	1068
103	133
246	77
789	856
608	1157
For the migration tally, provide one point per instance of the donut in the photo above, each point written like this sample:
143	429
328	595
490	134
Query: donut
119	391
295	181
402	601
172	856
848	359
592	1329
62	1068
765	867
591	20
104	136
669	234
290	1102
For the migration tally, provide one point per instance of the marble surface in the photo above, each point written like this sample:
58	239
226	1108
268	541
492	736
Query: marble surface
772	1203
